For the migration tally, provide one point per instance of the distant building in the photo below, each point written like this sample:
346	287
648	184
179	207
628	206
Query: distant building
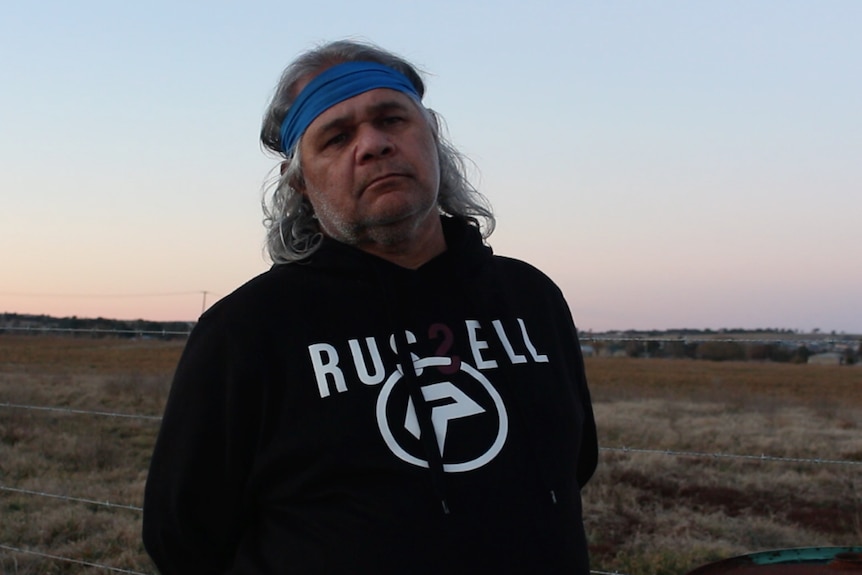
828	358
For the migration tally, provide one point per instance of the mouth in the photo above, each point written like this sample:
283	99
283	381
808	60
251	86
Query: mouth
385	181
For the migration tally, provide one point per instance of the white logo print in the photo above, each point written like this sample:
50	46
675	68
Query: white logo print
460	406
450	403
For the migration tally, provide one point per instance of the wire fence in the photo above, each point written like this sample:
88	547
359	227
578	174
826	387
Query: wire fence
155	419
79	411
94	331
138	508
44	555
625	450
612	337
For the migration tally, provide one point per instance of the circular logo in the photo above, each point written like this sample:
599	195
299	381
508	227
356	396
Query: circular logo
468	416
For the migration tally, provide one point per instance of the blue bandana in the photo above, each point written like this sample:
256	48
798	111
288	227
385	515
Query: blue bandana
335	85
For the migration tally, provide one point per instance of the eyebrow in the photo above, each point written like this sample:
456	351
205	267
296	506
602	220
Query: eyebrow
374	110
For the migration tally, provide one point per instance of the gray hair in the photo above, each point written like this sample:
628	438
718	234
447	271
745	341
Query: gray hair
292	232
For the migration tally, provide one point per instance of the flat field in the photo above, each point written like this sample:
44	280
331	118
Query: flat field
671	492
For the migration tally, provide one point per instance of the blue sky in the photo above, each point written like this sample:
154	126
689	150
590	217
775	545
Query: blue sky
669	164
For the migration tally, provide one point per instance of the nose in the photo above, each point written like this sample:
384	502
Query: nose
372	143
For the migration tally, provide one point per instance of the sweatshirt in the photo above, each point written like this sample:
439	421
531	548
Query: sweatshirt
347	415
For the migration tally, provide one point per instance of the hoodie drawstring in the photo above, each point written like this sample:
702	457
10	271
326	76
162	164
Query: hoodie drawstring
428	436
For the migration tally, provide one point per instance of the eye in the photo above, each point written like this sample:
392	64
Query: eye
392	120
335	140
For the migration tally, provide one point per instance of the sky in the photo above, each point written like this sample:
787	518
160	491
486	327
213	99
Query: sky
670	164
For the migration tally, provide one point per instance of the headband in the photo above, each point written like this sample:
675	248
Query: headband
335	85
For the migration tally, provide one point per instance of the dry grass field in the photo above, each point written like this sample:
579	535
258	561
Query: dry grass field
664	514
646	513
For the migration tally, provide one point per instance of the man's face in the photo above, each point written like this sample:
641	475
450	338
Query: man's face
371	170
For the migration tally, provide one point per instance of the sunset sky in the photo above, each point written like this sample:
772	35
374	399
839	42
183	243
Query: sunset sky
668	163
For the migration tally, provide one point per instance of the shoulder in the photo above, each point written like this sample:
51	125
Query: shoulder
270	290
531	288
524	274
516	265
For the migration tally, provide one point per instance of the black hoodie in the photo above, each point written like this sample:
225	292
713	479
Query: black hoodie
293	441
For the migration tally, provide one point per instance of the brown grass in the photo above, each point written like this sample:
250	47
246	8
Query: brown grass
97	458
665	514
645	513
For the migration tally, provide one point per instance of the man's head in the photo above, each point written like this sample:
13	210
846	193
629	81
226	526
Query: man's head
358	150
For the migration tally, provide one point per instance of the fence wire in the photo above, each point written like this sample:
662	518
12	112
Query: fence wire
96	331
719	455
624	450
584	337
707	339
79	411
70	498
69	560
620	449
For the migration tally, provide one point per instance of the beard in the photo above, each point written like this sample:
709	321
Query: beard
388	225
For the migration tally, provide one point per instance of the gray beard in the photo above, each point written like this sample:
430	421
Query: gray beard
389	231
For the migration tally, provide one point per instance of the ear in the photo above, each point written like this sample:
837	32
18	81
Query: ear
297	182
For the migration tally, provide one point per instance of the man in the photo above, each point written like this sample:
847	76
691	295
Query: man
390	397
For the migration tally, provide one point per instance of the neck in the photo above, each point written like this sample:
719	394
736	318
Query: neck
412	252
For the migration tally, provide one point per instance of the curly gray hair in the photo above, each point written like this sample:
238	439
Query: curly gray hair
293	233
